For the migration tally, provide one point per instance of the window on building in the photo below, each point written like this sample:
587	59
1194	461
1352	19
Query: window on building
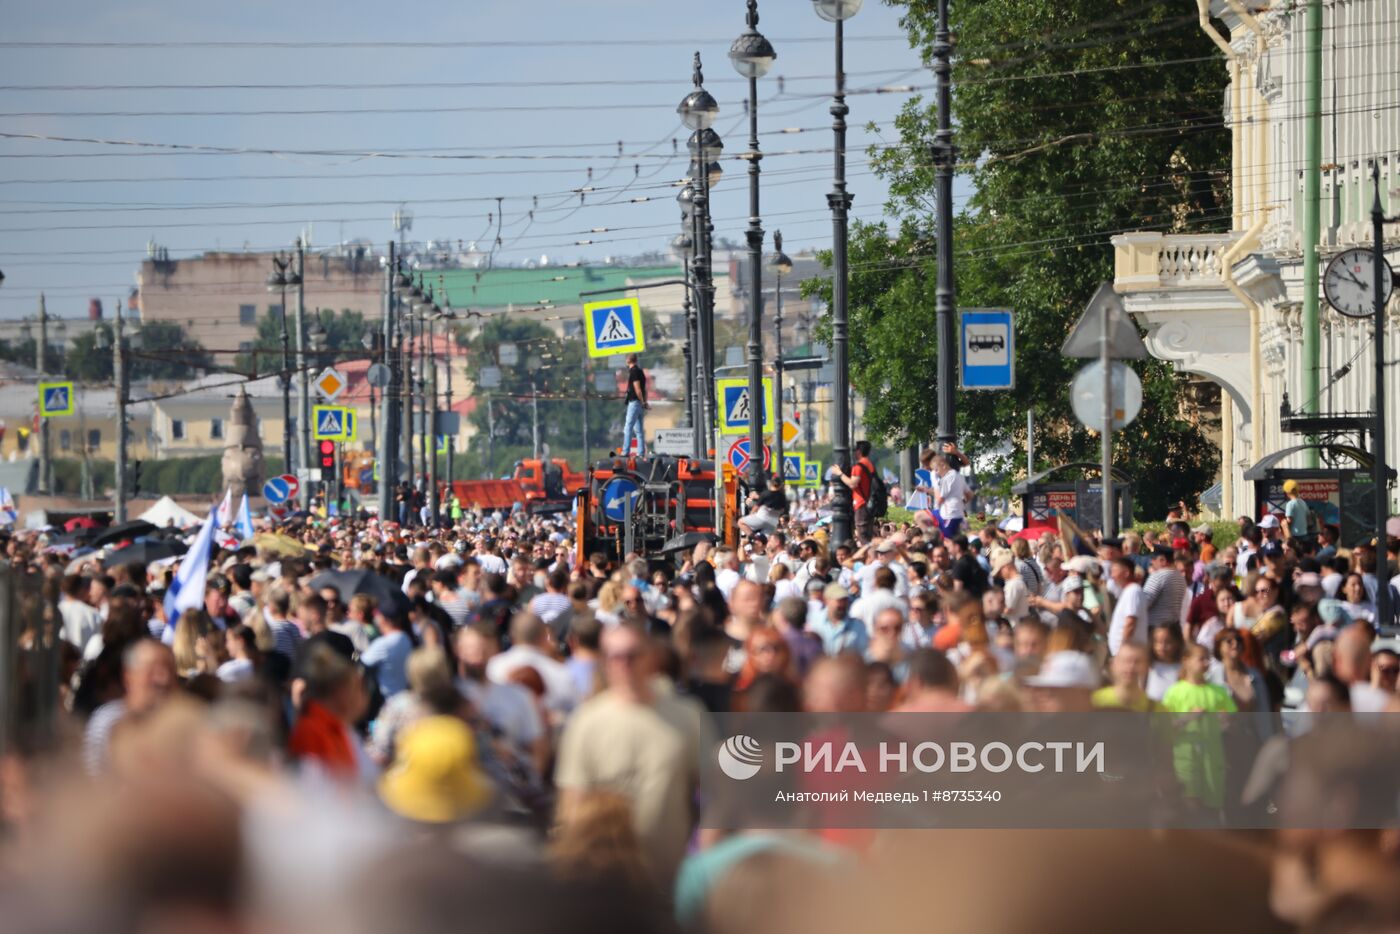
177	429
216	429
94	439
65	440
275	311
245	346
247	315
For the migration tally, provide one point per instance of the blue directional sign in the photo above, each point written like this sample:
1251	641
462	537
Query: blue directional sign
923	477
988	349
794	467
328	422
615	496
275	491
55	399
613	326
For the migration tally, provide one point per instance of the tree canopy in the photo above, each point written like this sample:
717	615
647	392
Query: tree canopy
1073	121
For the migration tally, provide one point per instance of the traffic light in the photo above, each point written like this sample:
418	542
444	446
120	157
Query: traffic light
328	456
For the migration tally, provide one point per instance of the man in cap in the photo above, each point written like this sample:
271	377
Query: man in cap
838	630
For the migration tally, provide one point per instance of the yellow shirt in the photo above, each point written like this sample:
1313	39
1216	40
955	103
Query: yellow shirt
1108	698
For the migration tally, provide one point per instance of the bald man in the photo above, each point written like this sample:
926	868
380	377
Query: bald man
1352	665
148	679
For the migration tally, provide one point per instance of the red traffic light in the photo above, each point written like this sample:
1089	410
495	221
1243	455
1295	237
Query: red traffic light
327	455
327	447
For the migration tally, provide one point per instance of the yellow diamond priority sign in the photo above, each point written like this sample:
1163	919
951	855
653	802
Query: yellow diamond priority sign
330	384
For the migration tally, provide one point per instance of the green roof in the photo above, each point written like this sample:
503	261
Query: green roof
555	285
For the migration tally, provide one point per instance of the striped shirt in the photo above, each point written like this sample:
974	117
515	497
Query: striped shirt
1164	593
549	606
287	637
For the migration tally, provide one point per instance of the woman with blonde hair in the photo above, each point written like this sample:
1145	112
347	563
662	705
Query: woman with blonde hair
596	841
189	629
608	605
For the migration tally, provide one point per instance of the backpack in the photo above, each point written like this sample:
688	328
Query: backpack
879	495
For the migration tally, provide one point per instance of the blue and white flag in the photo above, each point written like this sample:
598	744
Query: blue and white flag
225	513
8	514
243	525
187	589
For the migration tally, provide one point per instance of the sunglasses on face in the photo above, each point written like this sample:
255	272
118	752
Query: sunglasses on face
629	656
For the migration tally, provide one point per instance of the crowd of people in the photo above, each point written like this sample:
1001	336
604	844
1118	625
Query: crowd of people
363	724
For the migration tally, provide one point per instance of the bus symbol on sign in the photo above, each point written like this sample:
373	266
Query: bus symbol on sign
981	342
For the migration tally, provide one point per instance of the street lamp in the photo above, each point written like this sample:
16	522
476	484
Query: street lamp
781	264
752	55
839	200
277	282
698	111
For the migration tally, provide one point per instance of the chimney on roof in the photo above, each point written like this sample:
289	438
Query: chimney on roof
94	309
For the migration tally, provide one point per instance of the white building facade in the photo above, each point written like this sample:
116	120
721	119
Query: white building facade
1229	307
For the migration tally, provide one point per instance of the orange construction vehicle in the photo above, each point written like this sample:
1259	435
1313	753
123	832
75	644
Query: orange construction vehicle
541	486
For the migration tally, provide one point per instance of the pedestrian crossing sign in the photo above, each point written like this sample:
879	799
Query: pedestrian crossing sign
812	474
55	399
352	425
328	422
734	406
794	468
613	327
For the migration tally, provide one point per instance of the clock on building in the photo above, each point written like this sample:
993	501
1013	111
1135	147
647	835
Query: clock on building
1350	282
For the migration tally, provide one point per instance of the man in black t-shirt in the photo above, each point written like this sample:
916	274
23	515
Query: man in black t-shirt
636	403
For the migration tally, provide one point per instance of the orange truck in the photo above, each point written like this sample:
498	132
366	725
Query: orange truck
541	486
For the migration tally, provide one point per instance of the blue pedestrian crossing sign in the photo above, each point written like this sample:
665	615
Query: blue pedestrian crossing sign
352	425
328	422
614	326
794	468
616	494
812	474
734	406
55	399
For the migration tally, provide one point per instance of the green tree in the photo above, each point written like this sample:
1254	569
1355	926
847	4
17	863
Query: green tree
345	331
164	351
1078	120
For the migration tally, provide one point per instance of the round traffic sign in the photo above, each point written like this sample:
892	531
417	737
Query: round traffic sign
378	376
738	455
923	477
616	493
293	484
275	491
1086	395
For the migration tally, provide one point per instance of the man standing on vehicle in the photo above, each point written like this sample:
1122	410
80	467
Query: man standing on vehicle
636	399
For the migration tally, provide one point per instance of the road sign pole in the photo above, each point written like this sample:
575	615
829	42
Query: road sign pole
1110	526
943	157
304	441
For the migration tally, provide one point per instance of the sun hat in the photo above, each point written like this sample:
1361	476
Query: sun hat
1066	670
435	778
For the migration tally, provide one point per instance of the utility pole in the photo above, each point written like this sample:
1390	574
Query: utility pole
944	155
781	264
491	439
406	348
587	451
535	417
303	382
119	372
451	350
41	352
387	450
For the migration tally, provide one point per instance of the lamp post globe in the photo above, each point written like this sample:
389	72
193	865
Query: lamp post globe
706	139
698	109
837	11
752	54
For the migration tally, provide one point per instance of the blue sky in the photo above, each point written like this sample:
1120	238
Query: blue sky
77	216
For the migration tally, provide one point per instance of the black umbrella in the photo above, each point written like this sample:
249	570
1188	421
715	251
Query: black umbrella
127	530
349	583
145	551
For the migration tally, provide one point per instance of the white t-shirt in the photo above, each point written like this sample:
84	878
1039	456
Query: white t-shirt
1129	604
507	707
952	494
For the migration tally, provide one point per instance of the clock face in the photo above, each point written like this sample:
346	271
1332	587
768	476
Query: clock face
1349	283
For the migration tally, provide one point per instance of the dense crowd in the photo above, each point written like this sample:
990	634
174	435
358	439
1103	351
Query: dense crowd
363	726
